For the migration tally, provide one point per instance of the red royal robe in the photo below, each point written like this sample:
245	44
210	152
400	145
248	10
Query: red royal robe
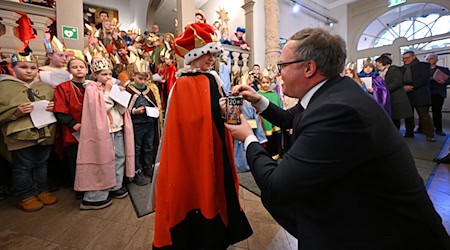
191	172
69	100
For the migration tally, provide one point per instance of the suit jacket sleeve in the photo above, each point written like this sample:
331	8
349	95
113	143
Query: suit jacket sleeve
319	157
421	75
280	117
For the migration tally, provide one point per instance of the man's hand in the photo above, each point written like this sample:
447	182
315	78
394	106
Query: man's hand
247	92
440	82
23	109
242	131
50	106
408	88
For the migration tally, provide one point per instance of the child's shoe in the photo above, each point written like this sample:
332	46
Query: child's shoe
95	205
119	193
46	198
31	204
139	178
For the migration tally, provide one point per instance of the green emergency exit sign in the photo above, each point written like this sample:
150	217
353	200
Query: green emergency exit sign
395	2
69	32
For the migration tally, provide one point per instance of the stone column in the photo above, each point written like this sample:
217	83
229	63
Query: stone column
40	24
249	24
9	42
272	37
70	13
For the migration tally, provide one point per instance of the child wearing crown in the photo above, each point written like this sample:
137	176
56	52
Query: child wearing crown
169	74
145	126
197	188
30	146
272	132
106	147
68	109
56	55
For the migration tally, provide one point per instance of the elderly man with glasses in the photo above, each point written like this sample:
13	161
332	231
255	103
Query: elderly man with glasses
416	79
349	180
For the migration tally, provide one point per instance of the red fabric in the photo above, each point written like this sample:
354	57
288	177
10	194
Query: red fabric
69	100
170	77
110	48
26	33
148	48
190	174
189	38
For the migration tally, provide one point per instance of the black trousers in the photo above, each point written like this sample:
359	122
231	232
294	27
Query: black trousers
274	144
437	101
424	120
71	152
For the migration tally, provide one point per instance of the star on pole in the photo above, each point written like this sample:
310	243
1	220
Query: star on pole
223	16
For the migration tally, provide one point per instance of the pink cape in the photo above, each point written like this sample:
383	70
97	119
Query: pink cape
96	159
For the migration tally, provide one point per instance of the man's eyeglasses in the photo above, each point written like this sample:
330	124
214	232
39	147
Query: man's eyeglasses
406	57
281	64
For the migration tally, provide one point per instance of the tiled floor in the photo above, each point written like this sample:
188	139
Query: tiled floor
64	226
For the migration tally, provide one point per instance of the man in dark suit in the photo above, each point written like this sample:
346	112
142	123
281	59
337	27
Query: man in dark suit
416	79
438	90
349	180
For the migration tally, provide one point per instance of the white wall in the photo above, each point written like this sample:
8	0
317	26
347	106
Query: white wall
165	17
340	13
138	13
235	12
291	22
130	11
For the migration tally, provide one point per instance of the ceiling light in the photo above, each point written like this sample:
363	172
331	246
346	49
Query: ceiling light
295	8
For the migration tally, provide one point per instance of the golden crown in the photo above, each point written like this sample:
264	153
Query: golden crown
141	66
350	65
152	38
139	39
368	62
23	57
135	31
165	53
98	64
54	46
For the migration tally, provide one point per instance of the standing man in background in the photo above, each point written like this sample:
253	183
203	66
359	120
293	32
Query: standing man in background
416	79
438	88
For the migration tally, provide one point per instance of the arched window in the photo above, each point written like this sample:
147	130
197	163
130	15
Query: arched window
410	22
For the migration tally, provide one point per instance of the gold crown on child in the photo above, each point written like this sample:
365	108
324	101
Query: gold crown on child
23	57
99	64
141	66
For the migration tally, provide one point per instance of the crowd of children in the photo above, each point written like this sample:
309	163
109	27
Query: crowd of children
89	148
